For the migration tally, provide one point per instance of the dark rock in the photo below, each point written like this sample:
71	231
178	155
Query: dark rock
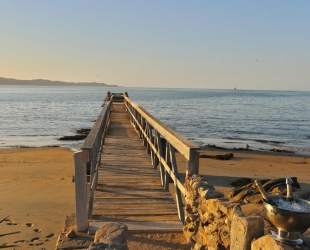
218	157
72	137
83	131
240	182
281	151
247	148
214	146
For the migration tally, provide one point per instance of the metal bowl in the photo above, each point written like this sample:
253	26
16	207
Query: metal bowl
287	220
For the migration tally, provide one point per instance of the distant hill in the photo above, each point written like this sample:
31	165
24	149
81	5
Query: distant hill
43	82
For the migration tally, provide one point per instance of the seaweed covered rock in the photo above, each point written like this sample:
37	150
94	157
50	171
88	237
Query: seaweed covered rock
72	137
218	157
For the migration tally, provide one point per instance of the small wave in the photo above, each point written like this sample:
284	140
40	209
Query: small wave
268	141
34	135
191	139
298	150
44	146
256	140
237	138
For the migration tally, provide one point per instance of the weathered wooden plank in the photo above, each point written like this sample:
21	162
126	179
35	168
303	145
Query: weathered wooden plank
130	173
107	202
131	191
123	165
135	212
149	186
126	178
136	218
133	202
122	195
128	186
135	206
140	227
149	200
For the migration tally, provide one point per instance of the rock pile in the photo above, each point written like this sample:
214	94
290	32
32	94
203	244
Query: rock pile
213	222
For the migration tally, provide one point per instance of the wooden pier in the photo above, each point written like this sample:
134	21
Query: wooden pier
122	172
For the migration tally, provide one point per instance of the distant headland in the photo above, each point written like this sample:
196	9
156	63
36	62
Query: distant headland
43	82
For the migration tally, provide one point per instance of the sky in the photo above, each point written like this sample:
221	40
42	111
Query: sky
262	45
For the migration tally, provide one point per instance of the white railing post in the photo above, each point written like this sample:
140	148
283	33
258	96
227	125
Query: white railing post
80	192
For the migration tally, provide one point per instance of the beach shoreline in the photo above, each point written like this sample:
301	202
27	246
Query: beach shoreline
37	192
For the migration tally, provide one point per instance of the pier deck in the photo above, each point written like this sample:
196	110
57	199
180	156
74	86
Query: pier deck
129	188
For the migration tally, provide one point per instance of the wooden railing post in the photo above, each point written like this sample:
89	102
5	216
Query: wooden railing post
80	193
143	124
167	159
178	196
192	166
156	144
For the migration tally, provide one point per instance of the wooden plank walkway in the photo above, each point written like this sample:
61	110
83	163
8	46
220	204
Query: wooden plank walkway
129	188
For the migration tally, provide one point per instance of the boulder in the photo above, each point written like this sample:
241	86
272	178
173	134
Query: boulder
267	242
114	235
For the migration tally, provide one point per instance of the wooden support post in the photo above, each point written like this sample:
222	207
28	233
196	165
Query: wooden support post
137	120
144	129
177	190
156	142
133	118
167	158
90	200
192	166
149	132
80	193
92	168
152	139
139	125
161	167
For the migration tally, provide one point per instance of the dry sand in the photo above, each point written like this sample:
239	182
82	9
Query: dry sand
255	165
38	193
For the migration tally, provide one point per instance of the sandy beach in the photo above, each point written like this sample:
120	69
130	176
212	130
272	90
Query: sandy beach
37	191
254	165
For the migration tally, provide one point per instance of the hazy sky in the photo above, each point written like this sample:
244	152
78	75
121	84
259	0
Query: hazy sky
182	44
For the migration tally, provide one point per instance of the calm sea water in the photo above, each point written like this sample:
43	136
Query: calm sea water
37	115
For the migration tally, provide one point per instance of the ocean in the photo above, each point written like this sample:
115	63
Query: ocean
34	116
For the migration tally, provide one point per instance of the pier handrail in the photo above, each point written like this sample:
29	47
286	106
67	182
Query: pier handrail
161	143
155	134
86	163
